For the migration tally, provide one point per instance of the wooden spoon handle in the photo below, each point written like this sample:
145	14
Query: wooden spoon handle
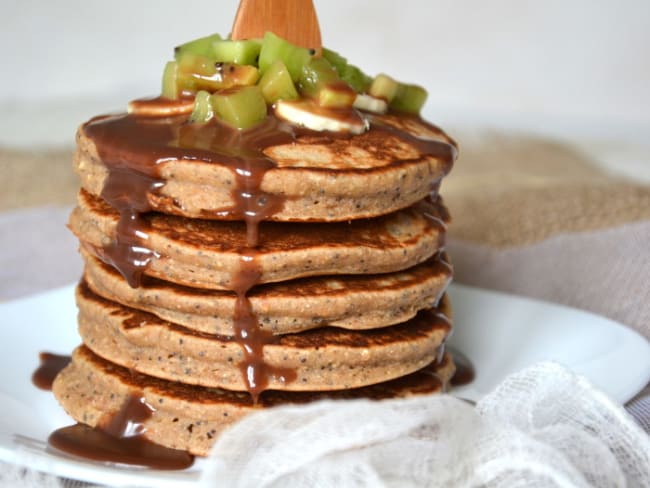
293	20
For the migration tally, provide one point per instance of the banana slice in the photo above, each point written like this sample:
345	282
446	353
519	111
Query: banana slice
305	113
370	103
161	107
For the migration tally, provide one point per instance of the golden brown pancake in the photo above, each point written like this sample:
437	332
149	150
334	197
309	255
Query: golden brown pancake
320	177
208	254
327	358
186	417
347	301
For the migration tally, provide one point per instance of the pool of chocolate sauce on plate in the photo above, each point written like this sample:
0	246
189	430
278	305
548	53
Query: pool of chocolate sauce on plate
119	439
134	148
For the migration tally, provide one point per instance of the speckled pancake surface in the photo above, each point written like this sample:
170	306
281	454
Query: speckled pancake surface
327	358
208	253
347	301
186	417
319	177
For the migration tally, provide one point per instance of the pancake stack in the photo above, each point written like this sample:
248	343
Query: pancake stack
228	271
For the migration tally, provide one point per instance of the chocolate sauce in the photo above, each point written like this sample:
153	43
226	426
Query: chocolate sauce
242	152
445	152
51	365
119	439
134	148
465	372
250	336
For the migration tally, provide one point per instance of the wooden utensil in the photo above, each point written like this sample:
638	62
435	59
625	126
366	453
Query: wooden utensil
293	20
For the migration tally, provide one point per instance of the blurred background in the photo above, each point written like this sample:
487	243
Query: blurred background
554	67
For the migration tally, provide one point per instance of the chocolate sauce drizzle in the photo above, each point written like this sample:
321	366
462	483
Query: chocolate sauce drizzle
465	372
134	148
119	438
50	365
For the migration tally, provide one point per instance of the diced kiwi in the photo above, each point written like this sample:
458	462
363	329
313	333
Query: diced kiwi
238	52
383	86
239	74
170	81
294	57
408	98
197	72
203	110
321	82
316	73
191	63
336	95
337	61
356	78
276	83
201	46
241	107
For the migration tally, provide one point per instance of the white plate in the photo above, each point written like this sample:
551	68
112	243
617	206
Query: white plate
500	333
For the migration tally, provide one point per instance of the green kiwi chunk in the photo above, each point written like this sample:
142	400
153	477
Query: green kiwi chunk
408	98
337	61
203	110
383	86
294	57
356	78
316	73
276	83
201	46
170	81
241	107
321	82
238	52
192	63
196	72
336	95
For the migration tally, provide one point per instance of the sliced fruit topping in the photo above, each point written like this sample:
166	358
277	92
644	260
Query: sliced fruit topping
238	52
408	98
349	73
236	80
370	104
307	113
321	82
383	86
276	83
201	46
241	107
203	110
161	106
197	72
170	81
294	57
356	78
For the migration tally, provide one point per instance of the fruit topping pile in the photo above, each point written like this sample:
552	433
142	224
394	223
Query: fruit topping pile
239	81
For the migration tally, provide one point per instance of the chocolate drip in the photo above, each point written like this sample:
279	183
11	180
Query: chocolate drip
51	365
134	148
242	152
119	439
465	372
250	336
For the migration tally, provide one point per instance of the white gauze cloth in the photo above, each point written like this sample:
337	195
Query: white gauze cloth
542	427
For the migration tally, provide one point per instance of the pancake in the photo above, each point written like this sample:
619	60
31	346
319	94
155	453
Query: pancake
318	176
93	390
327	358
208	254
347	301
